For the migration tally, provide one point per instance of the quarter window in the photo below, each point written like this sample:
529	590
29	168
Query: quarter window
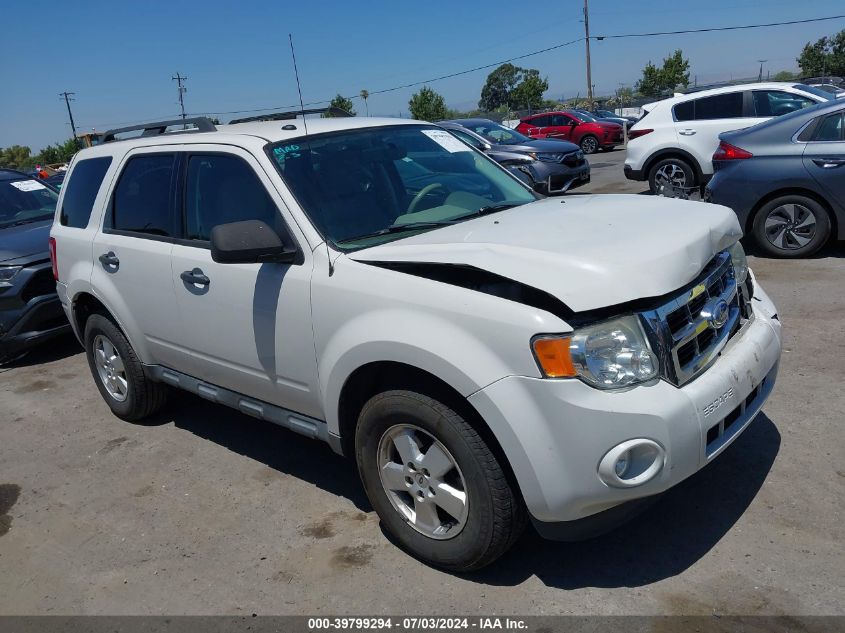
143	201
221	189
540	121
81	190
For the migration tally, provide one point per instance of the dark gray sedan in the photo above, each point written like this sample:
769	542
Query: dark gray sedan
549	166
785	179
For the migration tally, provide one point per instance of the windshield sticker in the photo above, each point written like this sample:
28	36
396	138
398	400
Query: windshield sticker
27	185
287	150
447	141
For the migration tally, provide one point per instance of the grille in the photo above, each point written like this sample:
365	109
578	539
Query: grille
40	284
683	335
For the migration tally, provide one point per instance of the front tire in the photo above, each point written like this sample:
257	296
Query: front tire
118	373
791	226
434	482
589	144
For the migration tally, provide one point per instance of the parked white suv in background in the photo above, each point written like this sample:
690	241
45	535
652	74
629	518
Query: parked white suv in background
672	145
486	355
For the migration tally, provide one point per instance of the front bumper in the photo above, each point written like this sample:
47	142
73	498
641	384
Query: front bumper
555	178
556	432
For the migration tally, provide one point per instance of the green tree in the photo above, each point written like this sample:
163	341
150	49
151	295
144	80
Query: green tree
498	87
343	103
784	75
824	57
365	94
673	74
529	92
16	157
675	71
510	86
649	85
428	105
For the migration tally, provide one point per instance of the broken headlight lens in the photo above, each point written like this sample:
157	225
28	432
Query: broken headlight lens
740	262
613	354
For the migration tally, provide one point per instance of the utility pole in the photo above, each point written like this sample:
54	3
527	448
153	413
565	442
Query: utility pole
179	79
67	97
760	76
587	42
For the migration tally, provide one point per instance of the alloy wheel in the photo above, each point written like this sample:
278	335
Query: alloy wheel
423	481
670	176
790	226
589	145
110	368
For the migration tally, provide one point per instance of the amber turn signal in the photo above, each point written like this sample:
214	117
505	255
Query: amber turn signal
553	357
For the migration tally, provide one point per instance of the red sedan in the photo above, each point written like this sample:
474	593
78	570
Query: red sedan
582	129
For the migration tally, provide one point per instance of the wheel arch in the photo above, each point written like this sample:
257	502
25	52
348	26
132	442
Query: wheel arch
674	152
379	376
86	303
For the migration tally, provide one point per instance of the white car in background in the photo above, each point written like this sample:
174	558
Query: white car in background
673	143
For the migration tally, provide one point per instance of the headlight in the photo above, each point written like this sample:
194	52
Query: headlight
607	355
7	272
740	262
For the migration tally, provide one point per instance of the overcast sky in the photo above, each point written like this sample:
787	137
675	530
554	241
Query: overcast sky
119	56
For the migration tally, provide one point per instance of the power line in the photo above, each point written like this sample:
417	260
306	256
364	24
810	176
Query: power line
718	28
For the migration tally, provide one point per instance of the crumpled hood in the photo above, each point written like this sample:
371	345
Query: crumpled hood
20	242
588	251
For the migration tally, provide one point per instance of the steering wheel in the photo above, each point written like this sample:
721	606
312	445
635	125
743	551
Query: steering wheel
422	194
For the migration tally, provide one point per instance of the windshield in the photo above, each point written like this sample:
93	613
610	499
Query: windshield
368	186
496	133
814	90
584	117
25	200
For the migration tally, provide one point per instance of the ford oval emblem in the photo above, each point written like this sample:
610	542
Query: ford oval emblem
716	313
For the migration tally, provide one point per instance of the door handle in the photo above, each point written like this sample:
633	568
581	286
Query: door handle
195	276
687	131
109	259
829	163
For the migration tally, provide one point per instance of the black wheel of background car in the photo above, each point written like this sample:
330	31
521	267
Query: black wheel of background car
118	373
791	226
589	144
435	483
671	173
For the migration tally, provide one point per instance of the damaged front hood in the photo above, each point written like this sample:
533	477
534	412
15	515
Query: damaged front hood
588	251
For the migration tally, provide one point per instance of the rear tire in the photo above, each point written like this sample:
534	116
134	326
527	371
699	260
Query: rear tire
117	372
674	172
475	512
791	226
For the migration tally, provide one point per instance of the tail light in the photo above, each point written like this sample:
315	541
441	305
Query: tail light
726	151
632	134
53	259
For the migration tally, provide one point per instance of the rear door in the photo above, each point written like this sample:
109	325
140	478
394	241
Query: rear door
538	127
561	127
824	158
131	254
699	122
246	327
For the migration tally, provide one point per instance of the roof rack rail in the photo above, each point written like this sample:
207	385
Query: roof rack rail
202	124
292	114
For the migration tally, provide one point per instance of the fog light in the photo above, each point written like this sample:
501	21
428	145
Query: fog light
632	463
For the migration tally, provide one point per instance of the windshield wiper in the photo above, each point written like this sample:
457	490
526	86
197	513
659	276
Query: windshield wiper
502	206
399	228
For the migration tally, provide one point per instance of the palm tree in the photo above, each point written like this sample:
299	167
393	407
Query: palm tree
365	95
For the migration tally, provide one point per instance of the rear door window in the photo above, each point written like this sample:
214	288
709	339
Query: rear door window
540	121
143	199
81	190
724	106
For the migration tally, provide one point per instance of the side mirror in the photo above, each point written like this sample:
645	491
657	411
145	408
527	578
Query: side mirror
250	242
485	147
573	122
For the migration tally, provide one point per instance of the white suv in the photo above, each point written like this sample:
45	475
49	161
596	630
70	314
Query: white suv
672	145
486	355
